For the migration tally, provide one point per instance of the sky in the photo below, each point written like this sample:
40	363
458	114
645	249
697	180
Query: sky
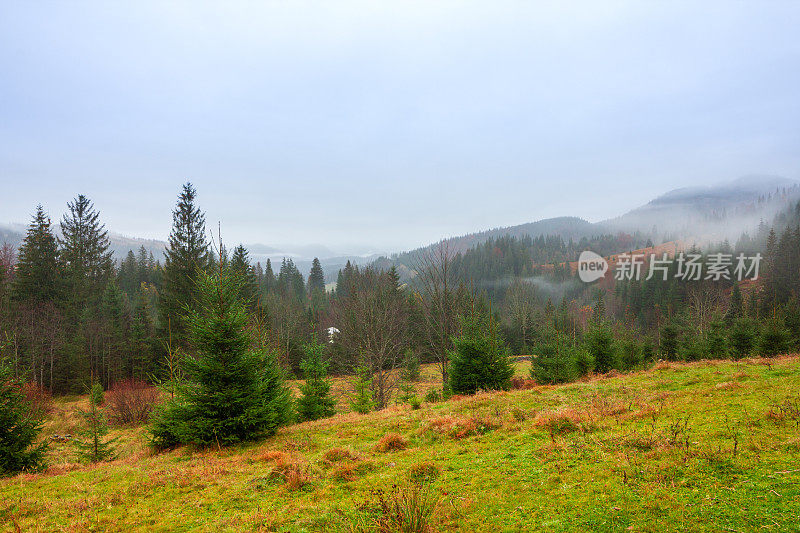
382	126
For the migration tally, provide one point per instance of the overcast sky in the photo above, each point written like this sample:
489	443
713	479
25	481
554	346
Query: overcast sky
388	124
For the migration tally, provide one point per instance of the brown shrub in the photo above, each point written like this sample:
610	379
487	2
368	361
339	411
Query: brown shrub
294	475
351	470
391	442
40	401
662	365
406	509
459	428
566	420
130	401
274	456
728	385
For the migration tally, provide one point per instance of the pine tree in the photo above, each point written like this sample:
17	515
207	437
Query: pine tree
315	402
316	279
18	429
38	276
85	253
669	342
600	345
269	282
742	338
231	392
363	400
186	256
555	362
240	263
92	447
479	360
735	307
774	339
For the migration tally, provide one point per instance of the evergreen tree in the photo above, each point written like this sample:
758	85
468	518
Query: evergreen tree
669	342
774	339
18	429
38	276
85	254
316	279
600	345
240	263
363	400
186	256
479	360
736	305
554	363
742	338
411	369
315	402
231	392
93	447
268	285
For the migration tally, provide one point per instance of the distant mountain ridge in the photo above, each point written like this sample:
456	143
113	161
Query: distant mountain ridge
709	213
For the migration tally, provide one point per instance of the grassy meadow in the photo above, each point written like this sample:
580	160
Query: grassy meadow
708	446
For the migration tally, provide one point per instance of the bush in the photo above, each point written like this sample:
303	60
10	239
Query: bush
39	400
716	345
407	510
391	442
130	401
433	396
18	429
479	360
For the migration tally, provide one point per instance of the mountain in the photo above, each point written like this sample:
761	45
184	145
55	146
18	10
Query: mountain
696	214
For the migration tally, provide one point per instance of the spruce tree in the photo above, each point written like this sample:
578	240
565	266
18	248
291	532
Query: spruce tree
669	342
18	429
363	400
85	253
316	279
38	276
554	363
600	346
231	392
742	338
736	305
315	402
92	446
240	263
185	258
479	359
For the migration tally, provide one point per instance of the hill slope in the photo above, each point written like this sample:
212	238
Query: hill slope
708	446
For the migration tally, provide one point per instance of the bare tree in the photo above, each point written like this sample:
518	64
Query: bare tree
704	302
439	297
372	323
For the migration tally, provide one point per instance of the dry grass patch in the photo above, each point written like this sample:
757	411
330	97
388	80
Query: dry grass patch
352	470
727	385
565	420
462	427
391	442
294	475
337	455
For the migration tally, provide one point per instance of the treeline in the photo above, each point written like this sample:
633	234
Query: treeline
69	315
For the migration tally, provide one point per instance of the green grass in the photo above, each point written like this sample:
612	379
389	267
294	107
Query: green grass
709	446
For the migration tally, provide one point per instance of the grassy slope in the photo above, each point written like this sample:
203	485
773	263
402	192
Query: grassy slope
627	466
